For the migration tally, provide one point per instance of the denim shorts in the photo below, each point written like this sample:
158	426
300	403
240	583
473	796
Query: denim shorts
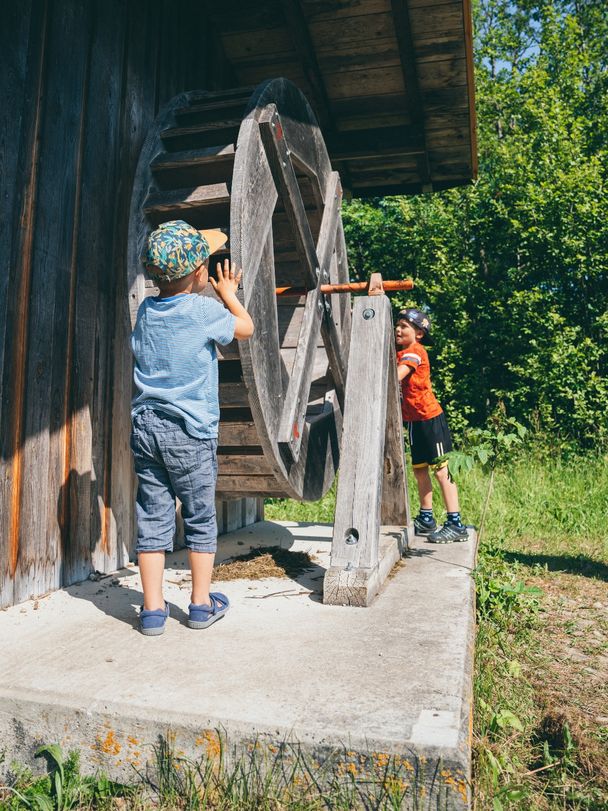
169	463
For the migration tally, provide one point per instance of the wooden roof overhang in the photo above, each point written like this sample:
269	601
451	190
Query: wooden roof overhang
391	82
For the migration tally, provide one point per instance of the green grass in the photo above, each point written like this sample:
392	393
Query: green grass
544	537
265	778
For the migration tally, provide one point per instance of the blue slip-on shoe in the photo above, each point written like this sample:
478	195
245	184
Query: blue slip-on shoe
152	623
202	616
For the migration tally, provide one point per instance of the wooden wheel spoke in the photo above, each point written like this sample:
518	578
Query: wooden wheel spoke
286	181
317	315
316	260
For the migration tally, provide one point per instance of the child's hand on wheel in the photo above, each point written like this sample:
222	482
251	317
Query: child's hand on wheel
228	279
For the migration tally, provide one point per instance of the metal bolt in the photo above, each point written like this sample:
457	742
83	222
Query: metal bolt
325	275
368	313
349	566
318	272
352	536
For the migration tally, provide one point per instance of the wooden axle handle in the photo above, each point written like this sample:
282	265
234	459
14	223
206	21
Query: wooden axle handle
351	287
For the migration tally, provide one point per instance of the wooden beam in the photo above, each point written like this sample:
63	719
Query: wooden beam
296	398
415	102
371	143
277	152
298	29
359	562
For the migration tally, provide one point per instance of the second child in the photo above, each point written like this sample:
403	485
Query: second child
427	429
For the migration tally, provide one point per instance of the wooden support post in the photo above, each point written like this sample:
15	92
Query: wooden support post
372	487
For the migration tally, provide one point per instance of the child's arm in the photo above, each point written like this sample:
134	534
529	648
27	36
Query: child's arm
226	286
403	370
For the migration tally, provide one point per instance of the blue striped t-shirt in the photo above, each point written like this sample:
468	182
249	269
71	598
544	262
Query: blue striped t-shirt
175	359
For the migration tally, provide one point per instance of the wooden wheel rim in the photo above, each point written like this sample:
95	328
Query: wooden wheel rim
253	221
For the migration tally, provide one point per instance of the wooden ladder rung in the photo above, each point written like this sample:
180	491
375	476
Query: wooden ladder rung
189	158
209	134
181	201
219	95
234	105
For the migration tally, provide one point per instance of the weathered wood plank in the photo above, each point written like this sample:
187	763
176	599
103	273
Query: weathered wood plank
395	499
319	361
50	339
251	215
238	433
327	34
208	204
137	114
442	73
277	152
245	44
318	10
358	564
213	133
368	82
203	112
243	465
88	509
298	28
385	141
21	87
361	56
177	169
233	395
296	396
247	486
430	21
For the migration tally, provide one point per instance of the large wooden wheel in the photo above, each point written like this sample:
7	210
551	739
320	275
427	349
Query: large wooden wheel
256	165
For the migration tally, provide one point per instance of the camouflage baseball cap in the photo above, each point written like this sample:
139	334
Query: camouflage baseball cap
418	319
176	249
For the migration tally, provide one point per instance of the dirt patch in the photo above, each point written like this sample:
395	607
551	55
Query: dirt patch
570	676
267	561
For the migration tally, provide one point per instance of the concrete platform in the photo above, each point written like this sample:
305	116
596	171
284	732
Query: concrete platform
393	679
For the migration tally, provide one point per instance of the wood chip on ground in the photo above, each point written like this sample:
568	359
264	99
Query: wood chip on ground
267	561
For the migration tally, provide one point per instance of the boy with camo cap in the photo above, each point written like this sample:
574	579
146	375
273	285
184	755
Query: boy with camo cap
427	428
175	412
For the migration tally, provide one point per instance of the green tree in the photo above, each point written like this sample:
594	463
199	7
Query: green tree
514	268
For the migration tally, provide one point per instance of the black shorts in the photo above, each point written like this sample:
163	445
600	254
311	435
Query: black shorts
429	440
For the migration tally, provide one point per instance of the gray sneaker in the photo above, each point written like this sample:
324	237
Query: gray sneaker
422	527
449	533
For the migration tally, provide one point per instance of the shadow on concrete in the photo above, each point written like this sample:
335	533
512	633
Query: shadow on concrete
571	564
112	596
115	596
432	552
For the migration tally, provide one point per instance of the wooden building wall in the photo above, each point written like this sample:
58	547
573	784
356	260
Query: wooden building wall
79	86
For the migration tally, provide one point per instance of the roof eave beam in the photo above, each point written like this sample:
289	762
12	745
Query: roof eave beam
403	30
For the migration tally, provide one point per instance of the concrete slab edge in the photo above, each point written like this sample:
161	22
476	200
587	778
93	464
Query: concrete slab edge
121	742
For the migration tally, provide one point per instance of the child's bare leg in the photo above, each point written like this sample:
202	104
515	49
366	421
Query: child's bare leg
449	491
425	487
151	569
201	566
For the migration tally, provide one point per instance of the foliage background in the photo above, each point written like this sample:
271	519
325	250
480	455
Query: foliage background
513	269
